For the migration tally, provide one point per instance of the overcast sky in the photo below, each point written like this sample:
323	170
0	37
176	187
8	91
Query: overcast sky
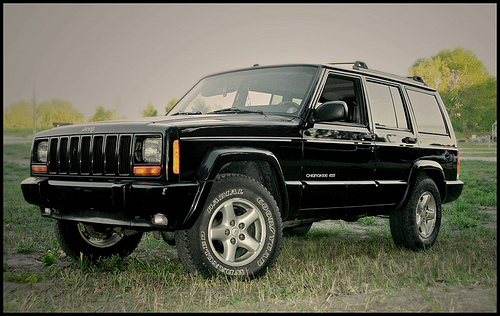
125	56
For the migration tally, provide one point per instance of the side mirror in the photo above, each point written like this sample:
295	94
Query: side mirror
331	111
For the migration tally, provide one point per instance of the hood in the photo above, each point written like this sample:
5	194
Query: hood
188	125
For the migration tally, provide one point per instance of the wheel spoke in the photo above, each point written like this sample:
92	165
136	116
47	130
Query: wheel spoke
228	213
229	251
249	244
218	232
423	228
431	214
249	217
424	201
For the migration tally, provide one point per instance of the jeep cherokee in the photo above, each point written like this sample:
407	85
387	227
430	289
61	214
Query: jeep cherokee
246	155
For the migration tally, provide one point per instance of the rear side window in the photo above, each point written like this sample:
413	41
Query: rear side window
427	113
387	106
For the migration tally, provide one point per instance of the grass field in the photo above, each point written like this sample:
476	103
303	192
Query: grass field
336	267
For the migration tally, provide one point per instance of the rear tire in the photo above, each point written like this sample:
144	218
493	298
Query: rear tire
417	225
93	241
238	233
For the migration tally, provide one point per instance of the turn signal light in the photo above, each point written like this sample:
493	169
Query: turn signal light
176	157
147	170
39	168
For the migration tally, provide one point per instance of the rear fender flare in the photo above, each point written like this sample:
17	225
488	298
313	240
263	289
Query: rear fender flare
433	169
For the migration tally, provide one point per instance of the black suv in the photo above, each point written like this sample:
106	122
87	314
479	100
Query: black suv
246	155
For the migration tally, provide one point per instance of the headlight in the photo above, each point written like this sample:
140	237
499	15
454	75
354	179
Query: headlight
41	151
148	150
151	150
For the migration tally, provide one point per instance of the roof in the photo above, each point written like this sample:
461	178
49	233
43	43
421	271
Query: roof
358	67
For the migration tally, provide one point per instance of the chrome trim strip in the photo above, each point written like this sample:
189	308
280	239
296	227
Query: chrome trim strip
340	141
77	184
239	138
368	206
391	182
340	183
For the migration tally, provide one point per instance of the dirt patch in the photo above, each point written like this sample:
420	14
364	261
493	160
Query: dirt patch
30	262
492	212
430	299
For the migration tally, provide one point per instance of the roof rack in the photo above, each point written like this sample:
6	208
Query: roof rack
356	64
362	65
418	79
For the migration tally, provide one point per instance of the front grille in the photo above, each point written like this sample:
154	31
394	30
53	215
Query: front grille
106	155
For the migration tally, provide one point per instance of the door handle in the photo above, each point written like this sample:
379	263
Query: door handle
368	137
410	140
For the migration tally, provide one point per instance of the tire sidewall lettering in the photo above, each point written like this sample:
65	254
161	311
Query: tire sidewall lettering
271	229
222	196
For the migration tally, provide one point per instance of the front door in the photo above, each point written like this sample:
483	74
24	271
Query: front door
339	158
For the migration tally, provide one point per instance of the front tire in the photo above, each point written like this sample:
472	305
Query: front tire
90	242
417	225
237	234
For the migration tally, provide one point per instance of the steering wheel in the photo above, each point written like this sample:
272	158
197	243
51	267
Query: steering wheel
291	107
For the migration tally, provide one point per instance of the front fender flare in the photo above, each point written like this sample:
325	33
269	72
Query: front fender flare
216	159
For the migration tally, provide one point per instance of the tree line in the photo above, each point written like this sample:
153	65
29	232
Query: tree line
466	87
51	112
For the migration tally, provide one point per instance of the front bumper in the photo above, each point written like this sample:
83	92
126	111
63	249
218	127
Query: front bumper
126	203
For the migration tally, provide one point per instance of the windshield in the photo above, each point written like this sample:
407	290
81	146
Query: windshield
268	90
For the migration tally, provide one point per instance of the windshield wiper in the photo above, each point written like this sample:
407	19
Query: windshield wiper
236	110
188	113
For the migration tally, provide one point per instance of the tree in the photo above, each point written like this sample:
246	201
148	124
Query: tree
102	115
451	70
18	115
473	108
466	87
433	71
171	104
149	111
55	110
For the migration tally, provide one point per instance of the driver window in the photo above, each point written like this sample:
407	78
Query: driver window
339	88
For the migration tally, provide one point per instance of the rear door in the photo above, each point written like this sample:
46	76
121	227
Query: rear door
396	143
